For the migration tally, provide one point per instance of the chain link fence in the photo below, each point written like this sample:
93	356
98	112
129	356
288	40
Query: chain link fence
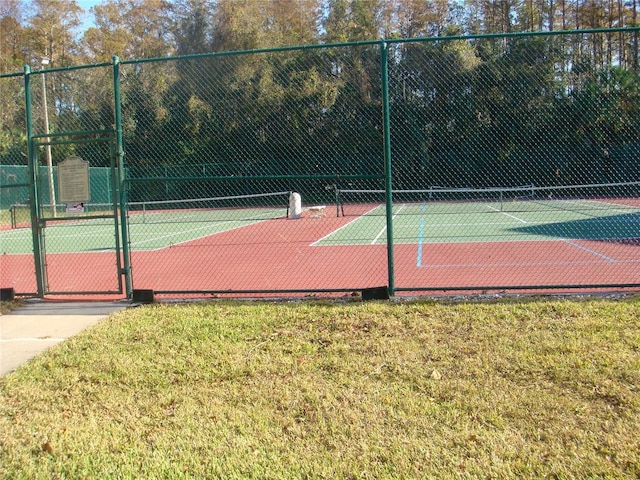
52	244
501	162
15	270
516	160
239	135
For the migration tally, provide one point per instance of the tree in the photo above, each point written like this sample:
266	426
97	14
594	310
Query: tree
131	29
293	22
192	26
51	31
238	25
109	37
12	36
353	20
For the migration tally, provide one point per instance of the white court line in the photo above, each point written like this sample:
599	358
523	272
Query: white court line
510	216
463	224
375	240
27	232
517	264
191	239
593	252
110	233
15	232
631	209
343	227
169	235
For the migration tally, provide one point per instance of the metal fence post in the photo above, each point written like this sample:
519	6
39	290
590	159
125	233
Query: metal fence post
387	164
34	203
124	226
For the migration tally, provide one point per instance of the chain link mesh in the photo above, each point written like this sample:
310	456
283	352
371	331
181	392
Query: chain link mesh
242	133
516	160
71	236
80	104
514	164
16	271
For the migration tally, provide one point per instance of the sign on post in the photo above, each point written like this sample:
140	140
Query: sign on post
73	183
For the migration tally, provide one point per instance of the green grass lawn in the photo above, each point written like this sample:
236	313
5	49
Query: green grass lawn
7	306
530	388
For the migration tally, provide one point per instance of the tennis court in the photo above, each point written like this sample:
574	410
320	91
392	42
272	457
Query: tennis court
151	228
152	225
439	243
503	237
487	220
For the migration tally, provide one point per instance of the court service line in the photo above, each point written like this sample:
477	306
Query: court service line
175	234
630	209
510	216
519	264
181	232
375	240
421	231
473	224
588	250
95	232
106	233
343	227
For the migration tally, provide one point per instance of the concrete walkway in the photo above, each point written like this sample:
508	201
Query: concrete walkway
38	325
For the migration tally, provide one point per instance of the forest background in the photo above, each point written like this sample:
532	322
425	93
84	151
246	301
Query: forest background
58	31
465	111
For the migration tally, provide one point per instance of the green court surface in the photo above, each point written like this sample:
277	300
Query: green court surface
491	222
413	223
147	231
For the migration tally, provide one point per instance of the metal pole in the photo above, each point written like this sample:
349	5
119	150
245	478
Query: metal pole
124	225
387	165
34	205
52	191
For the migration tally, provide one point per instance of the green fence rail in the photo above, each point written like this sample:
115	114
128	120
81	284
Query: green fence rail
470	163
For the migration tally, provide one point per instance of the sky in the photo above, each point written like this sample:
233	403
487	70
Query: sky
86	5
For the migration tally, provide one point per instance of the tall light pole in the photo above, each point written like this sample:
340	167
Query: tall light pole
52	191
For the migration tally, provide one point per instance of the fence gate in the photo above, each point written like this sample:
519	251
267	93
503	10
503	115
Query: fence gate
73	211
76	241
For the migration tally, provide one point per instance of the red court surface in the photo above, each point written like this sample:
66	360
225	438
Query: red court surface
278	255
519	264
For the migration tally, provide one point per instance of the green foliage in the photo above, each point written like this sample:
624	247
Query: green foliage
464	111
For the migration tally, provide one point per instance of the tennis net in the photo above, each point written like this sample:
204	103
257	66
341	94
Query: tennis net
20	213
250	207
594	198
